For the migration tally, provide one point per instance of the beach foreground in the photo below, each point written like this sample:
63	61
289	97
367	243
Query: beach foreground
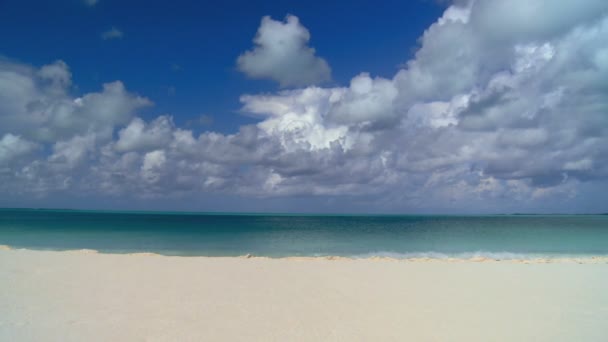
87	296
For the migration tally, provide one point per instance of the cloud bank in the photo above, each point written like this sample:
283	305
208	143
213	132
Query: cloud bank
503	107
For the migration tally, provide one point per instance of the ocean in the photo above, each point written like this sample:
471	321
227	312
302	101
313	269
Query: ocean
281	235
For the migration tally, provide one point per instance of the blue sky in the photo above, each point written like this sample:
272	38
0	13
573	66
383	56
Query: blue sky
469	106
181	54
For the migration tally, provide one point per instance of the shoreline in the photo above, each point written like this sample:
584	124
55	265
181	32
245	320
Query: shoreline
588	259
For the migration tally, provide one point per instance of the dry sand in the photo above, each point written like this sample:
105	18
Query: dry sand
76	296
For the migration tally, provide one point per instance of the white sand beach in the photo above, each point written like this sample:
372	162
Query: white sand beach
79	296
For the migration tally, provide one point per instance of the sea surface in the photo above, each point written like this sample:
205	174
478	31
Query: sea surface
189	234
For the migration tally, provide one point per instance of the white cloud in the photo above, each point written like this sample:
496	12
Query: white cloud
139	136
153	162
282	54
579	165
73	152
367	101
57	74
297	118
13	147
35	103
112	33
531	21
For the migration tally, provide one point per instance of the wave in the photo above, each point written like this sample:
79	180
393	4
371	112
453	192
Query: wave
477	256
480	256
461	255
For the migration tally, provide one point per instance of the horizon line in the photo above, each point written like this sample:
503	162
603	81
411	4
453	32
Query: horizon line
294	213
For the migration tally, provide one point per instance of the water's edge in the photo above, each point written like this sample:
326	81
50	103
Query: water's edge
477	257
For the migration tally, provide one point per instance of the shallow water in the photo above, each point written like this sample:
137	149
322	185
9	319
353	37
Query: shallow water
500	236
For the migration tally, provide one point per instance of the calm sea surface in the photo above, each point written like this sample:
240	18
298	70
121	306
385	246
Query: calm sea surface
306	235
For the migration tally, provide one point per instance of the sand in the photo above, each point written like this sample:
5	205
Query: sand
88	296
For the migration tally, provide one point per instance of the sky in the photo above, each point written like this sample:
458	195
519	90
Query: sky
487	106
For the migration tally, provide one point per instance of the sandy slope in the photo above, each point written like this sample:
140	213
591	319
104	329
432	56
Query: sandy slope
76	296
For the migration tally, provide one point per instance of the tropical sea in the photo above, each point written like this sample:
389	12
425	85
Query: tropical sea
282	235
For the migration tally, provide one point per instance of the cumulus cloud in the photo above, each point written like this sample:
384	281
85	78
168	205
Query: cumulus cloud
505	118
141	136
36	104
282	54
13	147
366	101
529	21
38	114
68	154
112	33
503	105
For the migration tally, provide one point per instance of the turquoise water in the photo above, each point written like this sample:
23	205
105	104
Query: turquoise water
498	236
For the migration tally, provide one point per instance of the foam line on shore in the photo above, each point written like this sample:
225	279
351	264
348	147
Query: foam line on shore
520	258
